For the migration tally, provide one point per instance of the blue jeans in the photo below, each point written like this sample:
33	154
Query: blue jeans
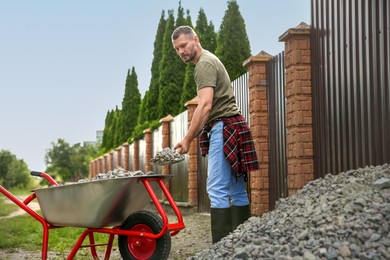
223	188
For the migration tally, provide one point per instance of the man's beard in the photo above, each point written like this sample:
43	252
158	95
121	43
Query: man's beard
191	56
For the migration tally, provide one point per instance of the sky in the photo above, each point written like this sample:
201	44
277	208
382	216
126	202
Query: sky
63	64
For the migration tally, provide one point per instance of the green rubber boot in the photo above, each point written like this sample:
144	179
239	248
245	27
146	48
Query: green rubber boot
239	215
221	223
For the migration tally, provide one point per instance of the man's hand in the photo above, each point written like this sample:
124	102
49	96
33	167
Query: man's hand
182	147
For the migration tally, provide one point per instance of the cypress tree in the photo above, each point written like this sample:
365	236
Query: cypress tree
151	101
206	32
172	70
143	109
107	138
115	129
180	20
189	86
130	107
232	41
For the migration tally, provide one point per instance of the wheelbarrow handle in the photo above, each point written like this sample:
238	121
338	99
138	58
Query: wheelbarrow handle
44	175
37	174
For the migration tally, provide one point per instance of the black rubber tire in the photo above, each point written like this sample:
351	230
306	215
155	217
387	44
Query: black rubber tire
145	248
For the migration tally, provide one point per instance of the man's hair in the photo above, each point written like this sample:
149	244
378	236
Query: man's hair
186	30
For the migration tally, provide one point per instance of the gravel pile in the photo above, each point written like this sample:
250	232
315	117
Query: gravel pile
345	216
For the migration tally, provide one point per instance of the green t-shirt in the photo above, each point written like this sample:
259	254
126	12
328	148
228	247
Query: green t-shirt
210	72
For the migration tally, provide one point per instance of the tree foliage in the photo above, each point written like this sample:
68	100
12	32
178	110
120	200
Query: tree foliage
69	162
232	41
151	96
13	172
130	108
172	70
206	32
110	132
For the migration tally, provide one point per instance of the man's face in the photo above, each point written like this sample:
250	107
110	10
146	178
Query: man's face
185	47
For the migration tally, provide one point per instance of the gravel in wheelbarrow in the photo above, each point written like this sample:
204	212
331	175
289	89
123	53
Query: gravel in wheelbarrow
96	203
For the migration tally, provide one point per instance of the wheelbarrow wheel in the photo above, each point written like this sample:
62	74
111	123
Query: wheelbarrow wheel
141	247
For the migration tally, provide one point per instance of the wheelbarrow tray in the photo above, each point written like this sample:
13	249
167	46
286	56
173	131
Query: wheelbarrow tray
94	204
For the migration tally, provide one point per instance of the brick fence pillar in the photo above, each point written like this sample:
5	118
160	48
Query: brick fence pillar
299	120
94	167
136	155
166	142
125	163
105	163
149	149
111	161
258	109
97	168
100	164
91	163
192	159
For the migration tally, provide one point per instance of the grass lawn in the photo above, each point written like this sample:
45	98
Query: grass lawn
25	232
5	208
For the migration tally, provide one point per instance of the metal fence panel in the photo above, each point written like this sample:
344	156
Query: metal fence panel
277	129
131	157
350	78
142	153
157	146
178	128
240	90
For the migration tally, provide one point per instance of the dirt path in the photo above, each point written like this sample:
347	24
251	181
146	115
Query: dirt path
33	205
195	237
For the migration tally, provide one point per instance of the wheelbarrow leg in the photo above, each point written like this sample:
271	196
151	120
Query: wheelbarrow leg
45	241
78	244
93	247
109	247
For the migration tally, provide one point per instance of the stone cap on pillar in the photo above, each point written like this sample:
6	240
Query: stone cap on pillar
147	131
302	29
124	144
194	101
166	119
262	56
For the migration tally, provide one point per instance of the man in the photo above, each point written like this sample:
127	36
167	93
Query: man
225	135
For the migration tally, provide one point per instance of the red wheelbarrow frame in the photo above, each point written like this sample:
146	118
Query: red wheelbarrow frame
173	228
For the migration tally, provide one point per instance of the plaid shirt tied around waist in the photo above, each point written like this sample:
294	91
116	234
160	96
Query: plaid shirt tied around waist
238	147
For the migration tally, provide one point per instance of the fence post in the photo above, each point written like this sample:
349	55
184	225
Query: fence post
258	110
148	149
166	142
111	161
96	167
136	155
126	157
300	159
105	163
192	159
90	169
100	164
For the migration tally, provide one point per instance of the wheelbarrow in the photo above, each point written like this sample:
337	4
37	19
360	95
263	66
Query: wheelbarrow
112	207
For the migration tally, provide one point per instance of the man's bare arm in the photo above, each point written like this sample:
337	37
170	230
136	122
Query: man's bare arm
199	118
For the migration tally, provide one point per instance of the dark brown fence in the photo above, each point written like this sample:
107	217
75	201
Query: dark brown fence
350	76
277	129
240	89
